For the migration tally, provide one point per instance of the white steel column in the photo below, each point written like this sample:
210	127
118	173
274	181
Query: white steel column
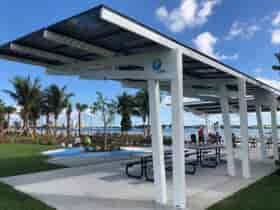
157	142
274	128
260	129
244	128
179	185
227	131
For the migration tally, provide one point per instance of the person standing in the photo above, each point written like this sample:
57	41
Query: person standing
201	135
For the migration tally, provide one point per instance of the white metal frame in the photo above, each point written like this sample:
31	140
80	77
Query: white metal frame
262	150
157	142
227	131
95	70
116	19
179	188
244	129
171	71
275	139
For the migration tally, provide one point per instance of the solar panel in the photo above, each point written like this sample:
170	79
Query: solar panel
88	36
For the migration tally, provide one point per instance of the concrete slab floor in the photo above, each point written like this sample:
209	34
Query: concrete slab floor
103	187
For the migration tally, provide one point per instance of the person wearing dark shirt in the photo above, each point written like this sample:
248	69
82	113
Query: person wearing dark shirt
201	135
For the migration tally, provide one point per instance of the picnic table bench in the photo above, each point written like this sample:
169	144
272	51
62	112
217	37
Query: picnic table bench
145	162
207	155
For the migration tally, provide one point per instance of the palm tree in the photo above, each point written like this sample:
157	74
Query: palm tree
27	92
9	110
141	108
46	110
80	108
35	113
56	100
2	115
68	118
125	109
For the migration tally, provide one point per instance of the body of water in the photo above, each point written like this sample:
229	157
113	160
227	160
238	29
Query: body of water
166	131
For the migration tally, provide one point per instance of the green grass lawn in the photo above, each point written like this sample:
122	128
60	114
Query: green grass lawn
17	159
263	195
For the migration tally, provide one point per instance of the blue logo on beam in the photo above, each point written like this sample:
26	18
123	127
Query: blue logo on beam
157	64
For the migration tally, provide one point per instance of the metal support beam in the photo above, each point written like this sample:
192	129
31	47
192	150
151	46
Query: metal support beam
227	131
262	150
213	92
43	54
179	188
244	129
69	41
123	75
25	61
157	142
208	82
274	128
90	69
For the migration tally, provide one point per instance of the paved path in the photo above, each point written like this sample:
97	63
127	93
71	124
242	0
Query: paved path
103	187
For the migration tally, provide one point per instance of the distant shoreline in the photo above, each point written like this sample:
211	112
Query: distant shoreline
164	126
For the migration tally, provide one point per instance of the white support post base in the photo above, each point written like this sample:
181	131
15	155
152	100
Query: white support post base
157	142
244	129
274	128
179	188
227	132
262	150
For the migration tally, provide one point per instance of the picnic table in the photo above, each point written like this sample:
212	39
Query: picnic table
204	150
145	161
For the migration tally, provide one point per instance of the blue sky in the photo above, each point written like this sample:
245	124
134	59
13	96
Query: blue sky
244	34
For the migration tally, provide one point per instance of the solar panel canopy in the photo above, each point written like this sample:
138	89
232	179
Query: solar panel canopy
86	27
89	36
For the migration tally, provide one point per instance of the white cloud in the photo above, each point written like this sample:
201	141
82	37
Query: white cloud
162	12
275	37
205	42
243	30
251	30
190	13
235	56
276	19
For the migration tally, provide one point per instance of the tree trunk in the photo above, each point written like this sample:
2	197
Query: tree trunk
34	127
55	125
1	124
48	124
79	123
8	122
105	137
144	126
26	123
126	137
68	125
